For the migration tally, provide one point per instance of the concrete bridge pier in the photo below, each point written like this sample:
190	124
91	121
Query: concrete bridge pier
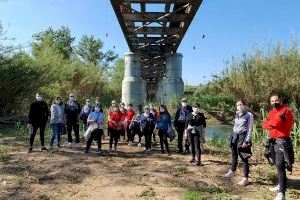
133	87
173	84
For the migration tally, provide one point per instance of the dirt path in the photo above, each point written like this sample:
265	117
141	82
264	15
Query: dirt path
130	174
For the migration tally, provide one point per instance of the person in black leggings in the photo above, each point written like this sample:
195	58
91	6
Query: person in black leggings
195	130
163	124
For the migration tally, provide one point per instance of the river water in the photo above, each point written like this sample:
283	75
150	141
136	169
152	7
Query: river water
219	131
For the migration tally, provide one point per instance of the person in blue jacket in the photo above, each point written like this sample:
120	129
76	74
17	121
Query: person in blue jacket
163	124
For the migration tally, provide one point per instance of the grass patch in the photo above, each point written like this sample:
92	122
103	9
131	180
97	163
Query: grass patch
5	153
191	195
147	193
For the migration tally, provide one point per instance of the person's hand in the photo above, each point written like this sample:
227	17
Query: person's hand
245	145
29	125
185	134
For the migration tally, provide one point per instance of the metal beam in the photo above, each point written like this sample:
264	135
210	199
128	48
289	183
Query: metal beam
158	1
154	30
154	17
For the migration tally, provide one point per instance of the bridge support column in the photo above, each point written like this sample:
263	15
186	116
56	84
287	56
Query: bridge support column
133	87
173	84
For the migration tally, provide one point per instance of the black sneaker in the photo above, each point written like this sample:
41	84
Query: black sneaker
86	151
192	160
29	150
59	146
44	149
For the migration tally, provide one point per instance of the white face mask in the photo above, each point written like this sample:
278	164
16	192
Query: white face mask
57	101
97	109
196	110
183	104
162	110
39	98
72	98
147	111
240	109
97	101
88	103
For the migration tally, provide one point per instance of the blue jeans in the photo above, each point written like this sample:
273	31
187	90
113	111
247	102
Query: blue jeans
56	130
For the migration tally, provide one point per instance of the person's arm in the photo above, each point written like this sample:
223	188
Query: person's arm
249	130
203	128
186	125
176	118
79	108
30	116
47	111
169	120
52	110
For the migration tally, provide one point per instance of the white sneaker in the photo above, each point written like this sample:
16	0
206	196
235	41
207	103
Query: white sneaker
110	152
69	144
244	182
229	174
77	145
280	196
274	189
130	143
139	145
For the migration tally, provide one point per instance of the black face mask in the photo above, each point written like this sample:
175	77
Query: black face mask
275	105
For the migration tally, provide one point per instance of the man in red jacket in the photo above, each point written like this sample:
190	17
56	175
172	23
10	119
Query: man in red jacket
279	124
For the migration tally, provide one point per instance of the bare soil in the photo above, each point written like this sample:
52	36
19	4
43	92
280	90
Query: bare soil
68	173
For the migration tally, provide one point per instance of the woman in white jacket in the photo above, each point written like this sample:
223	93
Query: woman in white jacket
56	120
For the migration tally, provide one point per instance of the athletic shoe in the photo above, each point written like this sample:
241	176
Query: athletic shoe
59	146
244	182
280	196
192	160
29	150
77	145
229	174
139	145
85	151
110	152
44	149
69	144
274	189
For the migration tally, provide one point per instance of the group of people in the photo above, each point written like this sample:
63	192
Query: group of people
189	122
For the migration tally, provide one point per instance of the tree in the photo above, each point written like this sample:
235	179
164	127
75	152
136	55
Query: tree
60	40
90	50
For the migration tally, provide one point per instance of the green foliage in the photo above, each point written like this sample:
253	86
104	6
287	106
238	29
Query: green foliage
90	50
55	69
60	40
253	77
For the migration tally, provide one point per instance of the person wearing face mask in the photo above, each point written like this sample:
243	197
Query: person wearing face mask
147	127
195	131
240	141
72	111
128	118
113	104
123	128
95	120
155	113
179	124
115	118
279	124
38	117
56	121
86	110
163	123
135	126
98	103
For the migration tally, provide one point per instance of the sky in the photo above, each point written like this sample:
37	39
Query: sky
231	28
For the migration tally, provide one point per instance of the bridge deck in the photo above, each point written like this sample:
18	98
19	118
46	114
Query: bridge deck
154	34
